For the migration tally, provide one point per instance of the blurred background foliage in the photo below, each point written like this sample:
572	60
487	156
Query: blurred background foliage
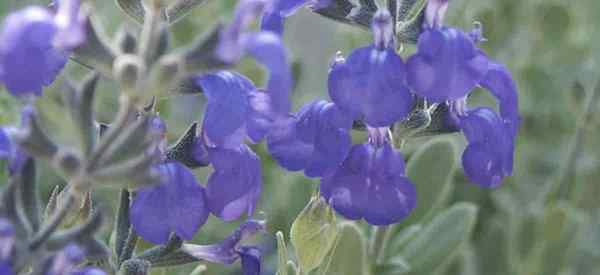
543	220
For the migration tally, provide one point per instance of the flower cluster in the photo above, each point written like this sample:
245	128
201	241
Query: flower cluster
373	86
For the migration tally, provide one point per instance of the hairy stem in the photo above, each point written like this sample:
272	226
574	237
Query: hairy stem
126	109
378	244
55	220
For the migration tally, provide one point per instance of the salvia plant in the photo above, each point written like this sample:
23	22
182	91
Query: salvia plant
371	213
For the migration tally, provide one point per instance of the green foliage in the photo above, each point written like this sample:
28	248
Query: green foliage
349	256
431	169
548	44
313	233
440	240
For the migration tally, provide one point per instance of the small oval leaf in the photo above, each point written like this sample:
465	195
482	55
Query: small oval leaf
313	233
349	256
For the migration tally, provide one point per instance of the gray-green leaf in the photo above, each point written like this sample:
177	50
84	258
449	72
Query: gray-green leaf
438	155
439	241
349	256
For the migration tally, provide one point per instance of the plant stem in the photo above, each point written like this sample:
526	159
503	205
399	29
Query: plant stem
577	142
378	244
126	109
57	218
554	192
129	246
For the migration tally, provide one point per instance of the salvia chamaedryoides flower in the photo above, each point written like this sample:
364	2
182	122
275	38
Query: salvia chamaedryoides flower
235	111
230	250
446	68
315	140
371	184
35	43
177	204
370	85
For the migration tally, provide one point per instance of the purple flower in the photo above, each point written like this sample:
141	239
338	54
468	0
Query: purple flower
11	151
67	261
7	241
235	109
265	47
370	84
446	68
34	45
229	250
370	184
447	65
274	17
489	156
177	204
5	268
315	140
500	83
5	145
235	185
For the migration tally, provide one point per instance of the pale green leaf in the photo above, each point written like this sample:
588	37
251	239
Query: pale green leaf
313	233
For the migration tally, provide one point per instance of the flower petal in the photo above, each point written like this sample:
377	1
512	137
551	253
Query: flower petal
5	268
227	108
273	19
447	65
225	252
235	186
370	85
28	60
291	152
268	49
315	140
489	156
177	205
370	184
250	260
500	83
5	145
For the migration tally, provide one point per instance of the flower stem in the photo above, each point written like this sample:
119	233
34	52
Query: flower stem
557	187
55	220
591	101
378	244
126	109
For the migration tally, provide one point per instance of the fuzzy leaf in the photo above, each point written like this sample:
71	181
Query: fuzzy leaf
350	254
439	155
441	239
